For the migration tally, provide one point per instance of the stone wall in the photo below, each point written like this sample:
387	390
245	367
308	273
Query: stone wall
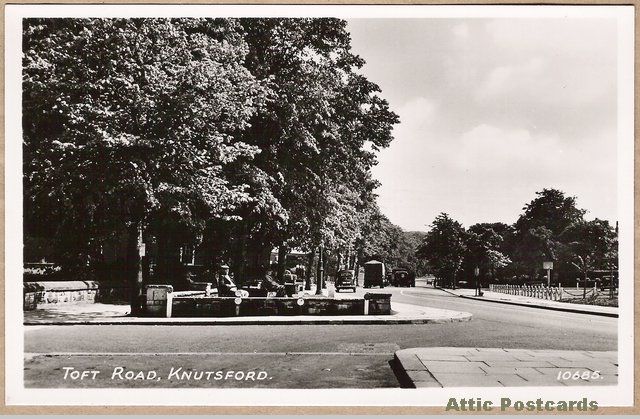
58	292
163	302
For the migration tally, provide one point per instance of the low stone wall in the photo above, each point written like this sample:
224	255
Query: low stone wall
57	292
163	302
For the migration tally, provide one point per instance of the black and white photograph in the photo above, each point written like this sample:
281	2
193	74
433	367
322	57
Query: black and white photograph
320	206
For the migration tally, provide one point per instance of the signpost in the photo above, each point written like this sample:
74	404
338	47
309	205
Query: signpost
548	266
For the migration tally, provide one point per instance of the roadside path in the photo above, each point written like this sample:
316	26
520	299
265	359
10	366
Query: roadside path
534	302
499	367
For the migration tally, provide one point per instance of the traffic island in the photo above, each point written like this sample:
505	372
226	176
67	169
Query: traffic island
162	301
106	314
163	306
497	367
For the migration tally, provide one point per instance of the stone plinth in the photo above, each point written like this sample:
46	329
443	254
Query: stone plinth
58	292
159	300
378	303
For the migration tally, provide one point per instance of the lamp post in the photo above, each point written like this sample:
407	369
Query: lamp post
320	271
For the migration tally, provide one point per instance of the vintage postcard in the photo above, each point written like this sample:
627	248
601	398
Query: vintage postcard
391	206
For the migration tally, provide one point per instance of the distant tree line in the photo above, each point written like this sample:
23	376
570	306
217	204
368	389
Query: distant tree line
550	229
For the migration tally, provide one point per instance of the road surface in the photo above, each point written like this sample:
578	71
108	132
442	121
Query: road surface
305	356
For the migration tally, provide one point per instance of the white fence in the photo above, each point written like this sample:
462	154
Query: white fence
535	291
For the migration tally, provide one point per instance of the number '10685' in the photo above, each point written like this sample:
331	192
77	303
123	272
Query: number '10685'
578	375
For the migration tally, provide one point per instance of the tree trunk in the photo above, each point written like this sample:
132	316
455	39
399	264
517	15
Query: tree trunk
310	259
161	270
584	287
239	258
356	267
134	259
282	262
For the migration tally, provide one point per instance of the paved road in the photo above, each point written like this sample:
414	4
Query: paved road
307	356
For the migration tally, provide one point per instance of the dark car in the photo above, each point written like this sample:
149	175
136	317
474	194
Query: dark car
346	279
403	278
374	275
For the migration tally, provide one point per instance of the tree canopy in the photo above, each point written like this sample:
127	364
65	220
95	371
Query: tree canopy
315	129
443	248
129	120
233	133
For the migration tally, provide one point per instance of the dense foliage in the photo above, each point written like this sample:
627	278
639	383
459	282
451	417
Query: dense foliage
551	228
235	135
130	121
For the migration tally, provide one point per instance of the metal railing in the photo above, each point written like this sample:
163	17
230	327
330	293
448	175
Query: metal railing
535	291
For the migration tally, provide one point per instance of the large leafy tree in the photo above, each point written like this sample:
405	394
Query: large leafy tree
537	230
130	122
484	243
588	245
444	248
317	134
550	209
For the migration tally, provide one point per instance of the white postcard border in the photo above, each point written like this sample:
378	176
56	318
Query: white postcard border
16	394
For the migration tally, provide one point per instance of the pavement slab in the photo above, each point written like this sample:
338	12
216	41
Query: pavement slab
454	367
499	367
410	362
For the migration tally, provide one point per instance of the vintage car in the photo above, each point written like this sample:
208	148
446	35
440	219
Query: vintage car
374	274
403	278
346	279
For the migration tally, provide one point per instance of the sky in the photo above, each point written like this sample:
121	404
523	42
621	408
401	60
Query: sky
491	111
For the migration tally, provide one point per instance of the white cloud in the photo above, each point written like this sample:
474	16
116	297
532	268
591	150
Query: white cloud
513	81
489	151
416	113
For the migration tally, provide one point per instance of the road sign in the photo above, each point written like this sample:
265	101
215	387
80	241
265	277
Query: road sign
547	265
